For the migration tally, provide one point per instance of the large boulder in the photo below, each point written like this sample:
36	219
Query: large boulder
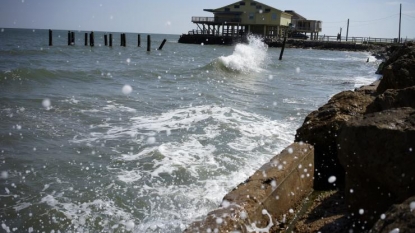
378	154
399	70
321	128
393	98
399	218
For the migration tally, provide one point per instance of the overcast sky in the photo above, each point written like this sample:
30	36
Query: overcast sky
374	18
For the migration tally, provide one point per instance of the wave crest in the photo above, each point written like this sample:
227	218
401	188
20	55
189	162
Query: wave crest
246	58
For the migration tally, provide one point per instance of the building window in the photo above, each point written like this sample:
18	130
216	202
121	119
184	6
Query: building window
242	3
251	16
236	6
258	7
274	16
267	10
227	9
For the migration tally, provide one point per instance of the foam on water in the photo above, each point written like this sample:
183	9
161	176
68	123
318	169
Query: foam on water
246	58
196	158
365	80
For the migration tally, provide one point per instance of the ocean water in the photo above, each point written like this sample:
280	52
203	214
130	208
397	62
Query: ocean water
123	140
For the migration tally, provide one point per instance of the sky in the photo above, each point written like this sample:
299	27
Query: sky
368	18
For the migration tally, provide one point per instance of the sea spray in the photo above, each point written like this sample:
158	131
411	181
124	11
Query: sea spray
246	58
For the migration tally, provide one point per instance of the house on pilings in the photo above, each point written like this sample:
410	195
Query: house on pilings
233	22
302	25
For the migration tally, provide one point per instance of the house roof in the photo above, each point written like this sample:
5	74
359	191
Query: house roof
246	2
295	14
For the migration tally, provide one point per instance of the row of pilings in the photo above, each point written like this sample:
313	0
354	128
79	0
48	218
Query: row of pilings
107	42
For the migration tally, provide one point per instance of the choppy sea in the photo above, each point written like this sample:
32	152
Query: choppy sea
118	139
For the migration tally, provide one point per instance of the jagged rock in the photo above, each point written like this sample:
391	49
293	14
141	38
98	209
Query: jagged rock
400	217
393	98
399	70
406	51
378	154
320	129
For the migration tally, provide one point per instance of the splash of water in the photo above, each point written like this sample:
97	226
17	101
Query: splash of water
246	58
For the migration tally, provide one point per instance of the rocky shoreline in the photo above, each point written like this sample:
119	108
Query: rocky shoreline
366	139
358	150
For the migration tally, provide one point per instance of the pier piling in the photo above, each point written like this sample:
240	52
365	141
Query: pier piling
72	38
139	40
91	39
148	43
106	40
69	38
162	44
123	40
86	39
110	40
283	46
50	37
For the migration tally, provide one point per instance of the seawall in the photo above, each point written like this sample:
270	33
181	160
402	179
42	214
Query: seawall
266	201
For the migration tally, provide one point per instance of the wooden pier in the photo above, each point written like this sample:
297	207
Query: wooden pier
89	40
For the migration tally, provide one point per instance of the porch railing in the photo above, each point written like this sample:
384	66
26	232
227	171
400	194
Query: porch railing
197	19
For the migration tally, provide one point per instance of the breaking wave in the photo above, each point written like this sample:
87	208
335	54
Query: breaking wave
246	58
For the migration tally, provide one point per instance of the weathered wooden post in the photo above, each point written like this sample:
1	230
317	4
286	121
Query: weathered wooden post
86	39
148	43
139	40
72	38
110	40
50	37
125	40
105	39
283	45
91	39
162	44
69	38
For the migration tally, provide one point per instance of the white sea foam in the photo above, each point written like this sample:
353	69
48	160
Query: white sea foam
189	155
86	213
186	145
365	80
246	58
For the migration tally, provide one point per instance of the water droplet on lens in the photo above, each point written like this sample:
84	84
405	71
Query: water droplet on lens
46	103
127	89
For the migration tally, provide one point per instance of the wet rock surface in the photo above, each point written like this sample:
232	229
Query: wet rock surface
399	218
321	129
367	137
